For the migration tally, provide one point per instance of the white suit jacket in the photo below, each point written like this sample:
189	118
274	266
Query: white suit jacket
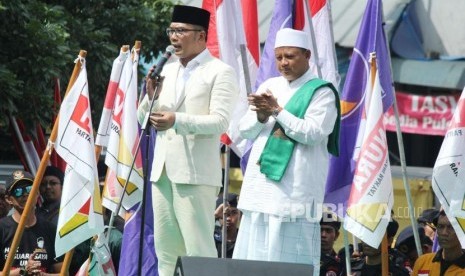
191	152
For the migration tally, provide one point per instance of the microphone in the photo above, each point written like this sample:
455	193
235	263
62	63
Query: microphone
169	51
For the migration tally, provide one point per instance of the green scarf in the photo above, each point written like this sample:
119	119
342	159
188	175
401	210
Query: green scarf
279	147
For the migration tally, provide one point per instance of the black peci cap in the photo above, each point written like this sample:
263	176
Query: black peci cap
191	15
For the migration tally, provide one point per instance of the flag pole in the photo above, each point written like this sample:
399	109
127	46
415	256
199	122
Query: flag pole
331	29
38	177
347	252
400	144
224	232
384	256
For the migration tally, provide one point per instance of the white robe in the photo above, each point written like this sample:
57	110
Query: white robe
302	187
281	219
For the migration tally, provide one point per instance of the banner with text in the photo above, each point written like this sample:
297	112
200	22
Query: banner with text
418	114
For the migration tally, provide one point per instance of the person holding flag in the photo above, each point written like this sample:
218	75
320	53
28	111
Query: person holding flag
193	109
36	252
294	120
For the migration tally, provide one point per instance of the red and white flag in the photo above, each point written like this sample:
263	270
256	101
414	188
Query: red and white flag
371	196
80	214
227	32
103	132
122	145
449	171
321	20
25	146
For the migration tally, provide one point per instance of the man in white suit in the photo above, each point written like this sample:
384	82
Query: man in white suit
190	113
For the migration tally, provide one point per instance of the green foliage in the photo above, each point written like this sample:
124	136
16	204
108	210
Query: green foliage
41	39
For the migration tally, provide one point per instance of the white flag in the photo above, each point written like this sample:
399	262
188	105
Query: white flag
449	171
371	197
80	214
226	37
123	141
103	132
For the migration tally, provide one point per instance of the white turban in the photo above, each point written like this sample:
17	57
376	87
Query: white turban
292	38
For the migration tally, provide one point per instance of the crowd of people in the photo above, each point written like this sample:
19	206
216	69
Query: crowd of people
294	121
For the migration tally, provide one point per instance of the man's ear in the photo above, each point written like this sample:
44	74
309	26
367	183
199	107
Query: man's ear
8	200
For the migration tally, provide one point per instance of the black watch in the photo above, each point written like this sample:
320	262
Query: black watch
275	112
23	271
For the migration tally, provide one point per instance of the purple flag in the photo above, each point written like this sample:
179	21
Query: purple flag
282	18
371	38
128	264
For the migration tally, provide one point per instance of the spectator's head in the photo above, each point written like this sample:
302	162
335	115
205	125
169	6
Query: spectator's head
4	206
233	215
18	186
426	221
188	31
292	53
405	243
52	184
447	237
329	225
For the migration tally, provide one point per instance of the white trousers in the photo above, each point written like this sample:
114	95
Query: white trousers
183	222
264	237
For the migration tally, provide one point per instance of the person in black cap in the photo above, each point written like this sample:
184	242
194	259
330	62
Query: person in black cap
233	216
426	221
192	110
50	190
405	244
329	227
36	250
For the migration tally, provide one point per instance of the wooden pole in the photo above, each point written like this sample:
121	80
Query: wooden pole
28	209
384	256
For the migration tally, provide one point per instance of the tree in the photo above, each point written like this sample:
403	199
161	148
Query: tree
40	40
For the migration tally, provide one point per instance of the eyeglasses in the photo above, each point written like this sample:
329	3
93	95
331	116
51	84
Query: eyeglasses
179	31
20	191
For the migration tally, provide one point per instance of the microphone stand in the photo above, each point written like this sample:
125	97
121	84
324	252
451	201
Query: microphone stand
145	131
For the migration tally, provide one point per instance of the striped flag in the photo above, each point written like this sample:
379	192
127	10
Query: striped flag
371	38
321	21
371	197
25	145
80	214
449	171
226	34
123	140
55	159
103	132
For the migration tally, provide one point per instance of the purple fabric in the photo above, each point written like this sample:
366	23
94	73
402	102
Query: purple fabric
371	38
282	18
128	264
